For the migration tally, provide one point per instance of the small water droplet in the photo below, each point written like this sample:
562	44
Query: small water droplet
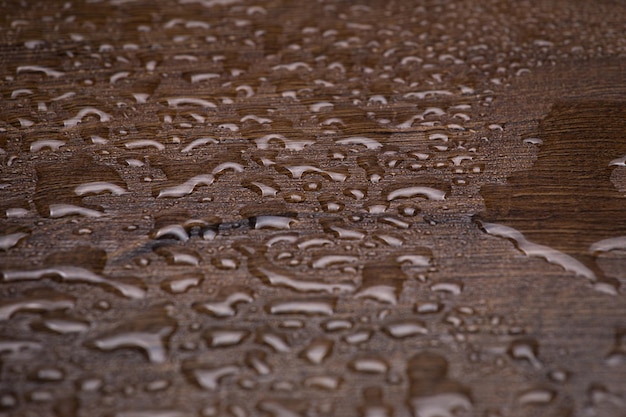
228	299
428	307
431	391
536	397
181	284
318	350
526	349
208	376
323	382
405	328
369	365
225	337
358	337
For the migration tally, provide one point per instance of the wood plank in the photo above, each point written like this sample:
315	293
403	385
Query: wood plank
291	208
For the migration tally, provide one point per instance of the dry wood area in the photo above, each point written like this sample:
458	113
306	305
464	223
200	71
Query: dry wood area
312	208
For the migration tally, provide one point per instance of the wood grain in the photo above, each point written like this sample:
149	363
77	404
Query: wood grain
233	208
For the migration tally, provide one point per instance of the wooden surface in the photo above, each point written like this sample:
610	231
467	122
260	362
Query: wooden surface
294	208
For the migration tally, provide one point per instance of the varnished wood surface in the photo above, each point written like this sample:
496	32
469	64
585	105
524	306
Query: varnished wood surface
292	208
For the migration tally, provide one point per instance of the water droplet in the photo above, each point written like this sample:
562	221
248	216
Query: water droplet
41	300
318	350
283	408
337	325
90	384
14	346
450	287
229	298
358	337
227	264
369	365
61	324
431	391
85	112
265	187
559	375
554	256
617	356
428	192
224	337
48	374
337	228
61	186
298	171
207	376
536	397
323	382
158	385
274	340
272	222
97	187
428	307
148	332
526	349
372	168
405	328
181	284
303	306
382	281
571	177
38	68
60	266
152	413
374	404
369	143
8	400
274	276
257	360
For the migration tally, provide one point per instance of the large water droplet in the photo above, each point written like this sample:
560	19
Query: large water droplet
149	332
566	202
431	391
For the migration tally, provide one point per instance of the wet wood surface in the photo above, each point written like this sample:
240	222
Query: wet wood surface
330	208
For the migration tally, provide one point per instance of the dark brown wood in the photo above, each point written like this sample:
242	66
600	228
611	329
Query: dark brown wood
291	208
